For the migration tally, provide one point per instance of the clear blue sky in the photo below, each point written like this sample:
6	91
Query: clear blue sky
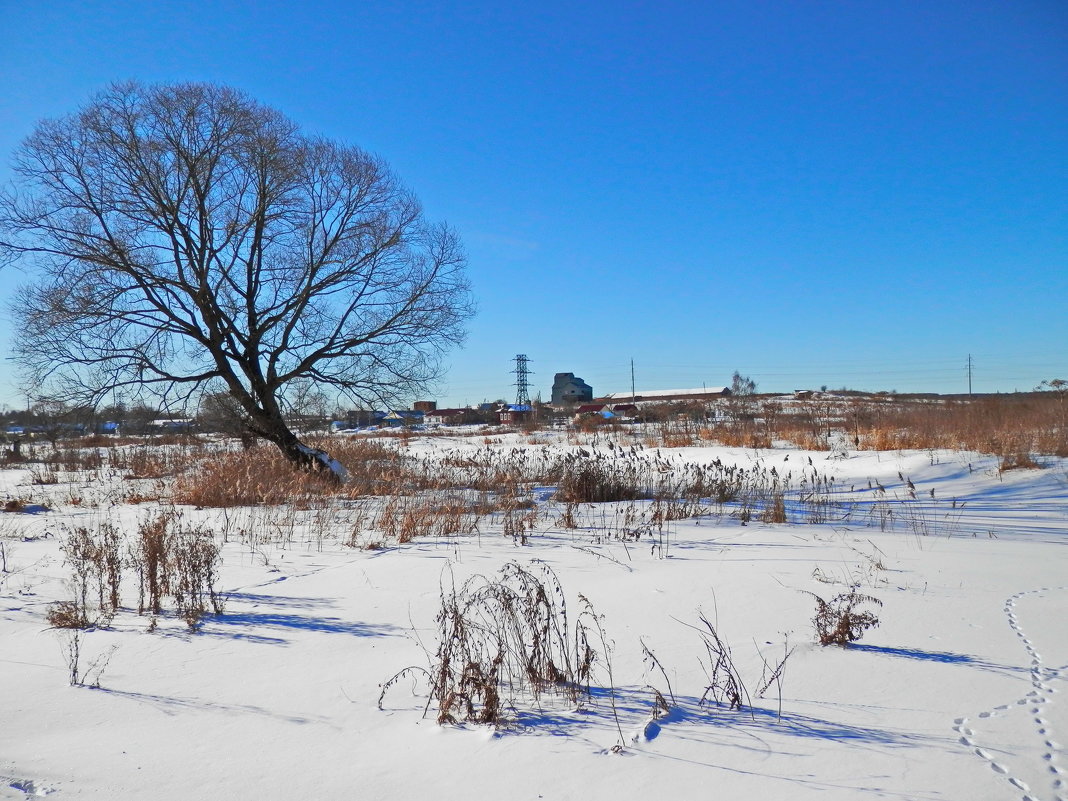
842	193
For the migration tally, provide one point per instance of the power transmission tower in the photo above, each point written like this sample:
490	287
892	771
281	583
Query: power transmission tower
522	384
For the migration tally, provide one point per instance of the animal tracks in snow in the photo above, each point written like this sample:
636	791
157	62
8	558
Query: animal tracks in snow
1035	704
27	787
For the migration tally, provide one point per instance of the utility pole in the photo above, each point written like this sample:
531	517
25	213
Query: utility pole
632	396
969	375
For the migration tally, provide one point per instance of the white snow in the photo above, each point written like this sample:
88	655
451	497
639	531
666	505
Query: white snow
958	694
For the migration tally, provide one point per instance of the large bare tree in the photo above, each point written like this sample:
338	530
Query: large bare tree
187	239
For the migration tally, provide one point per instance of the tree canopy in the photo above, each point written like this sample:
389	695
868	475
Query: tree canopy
186	239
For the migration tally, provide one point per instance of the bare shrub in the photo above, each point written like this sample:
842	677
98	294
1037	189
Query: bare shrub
90	675
176	562
838	622
80	553
107	565
94	559
725	685
72	651
194	567
773	673
43	476
502	638
149	558
651	661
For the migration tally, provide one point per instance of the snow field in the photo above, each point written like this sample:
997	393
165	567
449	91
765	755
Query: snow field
959	693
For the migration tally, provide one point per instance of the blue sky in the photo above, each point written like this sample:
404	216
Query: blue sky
813	193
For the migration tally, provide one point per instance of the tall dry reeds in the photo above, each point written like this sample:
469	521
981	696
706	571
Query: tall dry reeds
1002	425
246	478
504	640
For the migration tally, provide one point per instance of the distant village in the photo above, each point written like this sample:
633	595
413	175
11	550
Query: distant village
572	400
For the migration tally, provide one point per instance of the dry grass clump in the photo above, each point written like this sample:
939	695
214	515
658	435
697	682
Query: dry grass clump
807	441
16	505
156	458
247	478
680	491
736	436
775	510
1018	461
504	640
587	480
374	468
42	476
69	458
67	615
142	463
682	439
404	517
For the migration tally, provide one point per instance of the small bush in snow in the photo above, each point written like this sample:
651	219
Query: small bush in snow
838	622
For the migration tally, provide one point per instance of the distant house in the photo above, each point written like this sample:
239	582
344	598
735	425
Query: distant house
601	410
359	418
402	417
513	414
170	426
569	388
591	408
450	417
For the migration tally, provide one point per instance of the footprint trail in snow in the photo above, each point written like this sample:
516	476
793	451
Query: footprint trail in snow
1036	703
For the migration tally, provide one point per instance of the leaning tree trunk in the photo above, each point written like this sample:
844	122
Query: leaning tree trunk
275	430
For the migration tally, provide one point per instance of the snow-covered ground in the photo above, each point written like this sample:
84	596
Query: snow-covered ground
959	693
